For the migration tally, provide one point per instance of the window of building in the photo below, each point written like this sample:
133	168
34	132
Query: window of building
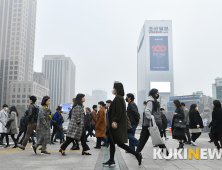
23	96
18	89
18	96
27	101
11	72
16	62
16	67
15	72
15	77
13	96
10	77
11	67
23	101
24	89
13	89
18	101
29	89
13	101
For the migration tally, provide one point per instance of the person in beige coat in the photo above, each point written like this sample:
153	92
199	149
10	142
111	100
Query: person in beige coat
12	126
100	131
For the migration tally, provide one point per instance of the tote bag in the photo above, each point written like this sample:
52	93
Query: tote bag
155	133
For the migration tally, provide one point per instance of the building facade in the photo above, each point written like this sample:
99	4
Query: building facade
217	89
20	91
60	71
155	61
17	40
39	78
100	95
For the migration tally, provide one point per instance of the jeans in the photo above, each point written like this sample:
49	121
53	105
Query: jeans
187	132
56	129
131	143
30	128
32	137
99	139
92	127
133	140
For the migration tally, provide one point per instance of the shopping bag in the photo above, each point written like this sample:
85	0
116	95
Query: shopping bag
155	133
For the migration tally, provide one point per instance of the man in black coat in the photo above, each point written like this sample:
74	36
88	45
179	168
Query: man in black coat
134	116
164	124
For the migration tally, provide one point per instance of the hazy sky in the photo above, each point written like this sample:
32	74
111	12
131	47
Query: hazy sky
101	38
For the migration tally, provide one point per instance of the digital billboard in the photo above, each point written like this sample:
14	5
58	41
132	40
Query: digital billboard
159	59
163	87
188	97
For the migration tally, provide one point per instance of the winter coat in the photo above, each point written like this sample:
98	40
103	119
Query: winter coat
13	128
58	118
195	120
216	123
117	113
23	124
164	121
100	130
76	123
87	121
93	118
31	114
186	114
179	115
3	121
133	113
43	125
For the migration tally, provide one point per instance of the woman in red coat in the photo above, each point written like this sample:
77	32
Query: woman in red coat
100	125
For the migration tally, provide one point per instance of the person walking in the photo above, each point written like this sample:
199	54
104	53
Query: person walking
32	121
92	121
23	126
134	116
164	124
76	129
57	123
43	126
87	120
117	131
195	123
12	127
101	125
151	108
3	122
216	124
186	138
178	133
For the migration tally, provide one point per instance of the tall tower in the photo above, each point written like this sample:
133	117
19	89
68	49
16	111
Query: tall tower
60	71
17	40
155	60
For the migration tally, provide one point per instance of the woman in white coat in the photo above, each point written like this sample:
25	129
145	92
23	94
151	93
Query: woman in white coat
3	122
12	127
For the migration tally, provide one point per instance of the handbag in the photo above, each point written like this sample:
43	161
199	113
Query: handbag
155	133
8	124
180	123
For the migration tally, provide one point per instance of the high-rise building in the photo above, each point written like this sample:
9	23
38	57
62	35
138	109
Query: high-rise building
60	71
17	40
40	79
217	88
100	95
155	60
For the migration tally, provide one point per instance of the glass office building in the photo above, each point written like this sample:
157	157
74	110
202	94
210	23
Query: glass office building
155	60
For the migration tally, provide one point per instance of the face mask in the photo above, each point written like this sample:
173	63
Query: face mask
144	107
157	96
113	92
126	100
6	109
197	108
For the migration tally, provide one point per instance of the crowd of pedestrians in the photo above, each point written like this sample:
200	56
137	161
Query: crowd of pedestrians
111	122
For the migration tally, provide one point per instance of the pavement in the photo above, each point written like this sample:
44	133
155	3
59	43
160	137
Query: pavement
17	159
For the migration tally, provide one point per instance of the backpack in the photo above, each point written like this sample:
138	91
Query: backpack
157	115
36	113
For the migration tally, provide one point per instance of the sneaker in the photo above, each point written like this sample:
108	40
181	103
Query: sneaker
193	143
139	158
166	138
180	146
7	146
142	155
34	149
21	147
109	163
97	147
45	153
